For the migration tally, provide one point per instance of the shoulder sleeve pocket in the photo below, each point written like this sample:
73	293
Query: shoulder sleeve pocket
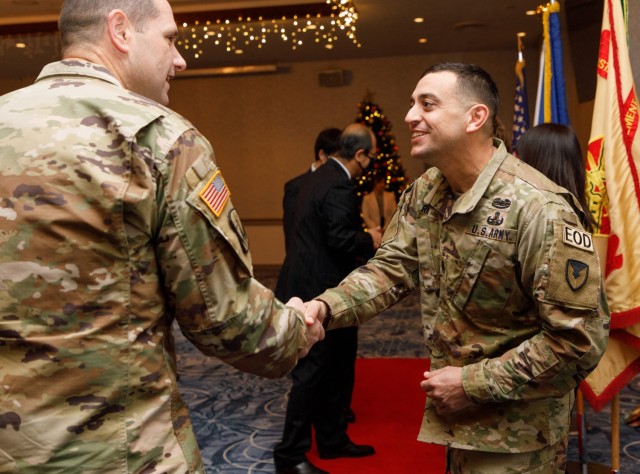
211	198
574	270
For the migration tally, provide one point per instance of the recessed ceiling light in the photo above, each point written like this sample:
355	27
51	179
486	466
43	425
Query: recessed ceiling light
419	20
423	40
521	34
239	51
531	12
21	45
328	46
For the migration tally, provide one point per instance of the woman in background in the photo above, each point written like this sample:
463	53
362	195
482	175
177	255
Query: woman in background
554	150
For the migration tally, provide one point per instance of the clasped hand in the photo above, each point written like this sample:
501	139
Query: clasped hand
313	318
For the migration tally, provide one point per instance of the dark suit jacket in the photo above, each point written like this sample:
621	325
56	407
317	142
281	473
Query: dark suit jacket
291	189
325	234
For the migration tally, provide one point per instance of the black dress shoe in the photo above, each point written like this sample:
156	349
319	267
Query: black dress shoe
304	467
349	450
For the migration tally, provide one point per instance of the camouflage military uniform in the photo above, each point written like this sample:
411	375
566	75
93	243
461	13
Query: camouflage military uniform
114	221
510	291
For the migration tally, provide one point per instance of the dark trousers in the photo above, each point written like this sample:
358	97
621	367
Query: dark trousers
320	394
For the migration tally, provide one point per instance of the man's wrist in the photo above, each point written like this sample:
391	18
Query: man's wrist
326	313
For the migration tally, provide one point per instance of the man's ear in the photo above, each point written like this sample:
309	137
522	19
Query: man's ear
478	116
119	29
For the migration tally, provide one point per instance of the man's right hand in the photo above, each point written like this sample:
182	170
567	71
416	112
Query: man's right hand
315	331
316	310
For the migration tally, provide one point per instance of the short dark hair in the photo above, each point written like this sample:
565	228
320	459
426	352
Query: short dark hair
474	83
327	141
82	21
353	138
554	150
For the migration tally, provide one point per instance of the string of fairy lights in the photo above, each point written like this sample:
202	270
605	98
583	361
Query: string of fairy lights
237	34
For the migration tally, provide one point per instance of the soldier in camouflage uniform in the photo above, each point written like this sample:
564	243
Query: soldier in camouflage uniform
114	222
513	308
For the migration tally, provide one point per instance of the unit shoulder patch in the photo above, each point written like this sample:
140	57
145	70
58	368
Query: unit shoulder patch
236	225
576	274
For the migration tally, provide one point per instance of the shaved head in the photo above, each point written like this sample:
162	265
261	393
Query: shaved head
83	21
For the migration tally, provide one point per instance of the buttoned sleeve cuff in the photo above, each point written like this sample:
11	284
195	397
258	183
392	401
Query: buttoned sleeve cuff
333	303
475	383
341	309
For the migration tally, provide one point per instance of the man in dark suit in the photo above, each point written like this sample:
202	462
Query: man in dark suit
325	242
326	145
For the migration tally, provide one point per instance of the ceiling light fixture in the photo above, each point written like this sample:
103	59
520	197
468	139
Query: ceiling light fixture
227	71
423	40
419	20
319	23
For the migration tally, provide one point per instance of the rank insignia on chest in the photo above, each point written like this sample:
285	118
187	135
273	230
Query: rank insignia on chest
576	274
216	194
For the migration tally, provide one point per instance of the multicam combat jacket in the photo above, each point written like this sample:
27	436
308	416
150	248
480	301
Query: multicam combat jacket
510	291
114	222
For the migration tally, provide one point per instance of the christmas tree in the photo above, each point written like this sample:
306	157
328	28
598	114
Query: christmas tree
387	161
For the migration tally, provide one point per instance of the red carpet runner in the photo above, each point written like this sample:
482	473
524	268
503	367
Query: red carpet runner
389	404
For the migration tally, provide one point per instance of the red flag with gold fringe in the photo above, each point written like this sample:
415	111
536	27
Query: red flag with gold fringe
613	190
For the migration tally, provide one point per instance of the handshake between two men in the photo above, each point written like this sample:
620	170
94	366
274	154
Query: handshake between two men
444	386
314	314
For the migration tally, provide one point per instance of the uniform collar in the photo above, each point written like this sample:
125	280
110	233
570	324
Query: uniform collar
78	67
442	198
468	201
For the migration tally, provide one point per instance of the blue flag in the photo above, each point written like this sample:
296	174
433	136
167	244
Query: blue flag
551	102
521	103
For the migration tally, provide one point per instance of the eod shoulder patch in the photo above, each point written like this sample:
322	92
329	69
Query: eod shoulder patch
573	268
577	238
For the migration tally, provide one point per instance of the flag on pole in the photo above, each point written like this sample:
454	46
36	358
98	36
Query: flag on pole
521	103
551	101
613	192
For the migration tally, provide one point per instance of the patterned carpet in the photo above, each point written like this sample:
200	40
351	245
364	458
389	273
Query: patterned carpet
238	418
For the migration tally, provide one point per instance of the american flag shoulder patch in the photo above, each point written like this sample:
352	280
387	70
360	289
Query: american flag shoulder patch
216	194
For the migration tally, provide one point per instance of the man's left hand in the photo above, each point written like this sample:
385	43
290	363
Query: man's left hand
444	387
